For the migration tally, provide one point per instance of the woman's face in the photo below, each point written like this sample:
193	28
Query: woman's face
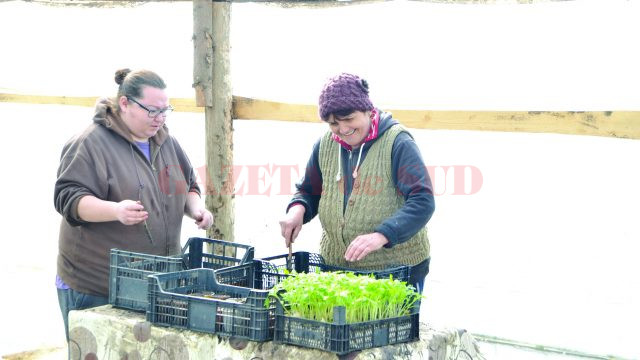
352	128
141	125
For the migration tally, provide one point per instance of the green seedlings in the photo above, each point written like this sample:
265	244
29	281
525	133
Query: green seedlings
313	296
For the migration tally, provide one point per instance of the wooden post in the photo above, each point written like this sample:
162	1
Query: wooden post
212	83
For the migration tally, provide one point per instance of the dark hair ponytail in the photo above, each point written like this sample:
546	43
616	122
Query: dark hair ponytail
120	75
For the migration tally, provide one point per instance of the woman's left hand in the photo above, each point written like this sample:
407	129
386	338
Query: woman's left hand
363	245
203	218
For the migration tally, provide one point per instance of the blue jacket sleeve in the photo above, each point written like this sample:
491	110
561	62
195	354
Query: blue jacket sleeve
412	180
309	189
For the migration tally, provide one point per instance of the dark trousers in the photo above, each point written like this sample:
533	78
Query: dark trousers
418	274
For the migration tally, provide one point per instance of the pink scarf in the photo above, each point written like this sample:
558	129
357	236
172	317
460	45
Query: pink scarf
373	131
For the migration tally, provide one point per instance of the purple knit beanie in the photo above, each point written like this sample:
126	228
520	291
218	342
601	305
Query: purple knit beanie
344	92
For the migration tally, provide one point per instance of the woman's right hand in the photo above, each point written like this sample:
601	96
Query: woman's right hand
291	224
128	212
131	212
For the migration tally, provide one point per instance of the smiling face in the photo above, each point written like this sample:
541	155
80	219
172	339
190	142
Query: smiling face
352	128
141	126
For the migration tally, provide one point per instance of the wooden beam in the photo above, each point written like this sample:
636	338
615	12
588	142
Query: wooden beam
47	99
247	108
620	124
213	91
179	104
280	3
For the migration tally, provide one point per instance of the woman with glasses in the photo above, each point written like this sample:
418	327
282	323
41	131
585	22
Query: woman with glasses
124	183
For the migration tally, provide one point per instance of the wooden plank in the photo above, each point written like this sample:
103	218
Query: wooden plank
320	4
47	99
282	3
620	124
186	105
180	104
247	108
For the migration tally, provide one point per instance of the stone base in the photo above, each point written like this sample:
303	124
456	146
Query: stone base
109	333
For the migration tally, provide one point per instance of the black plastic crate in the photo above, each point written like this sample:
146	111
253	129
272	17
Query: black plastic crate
342	338
306	262
265	274
215	254
128	284
176	300
257	274
128	273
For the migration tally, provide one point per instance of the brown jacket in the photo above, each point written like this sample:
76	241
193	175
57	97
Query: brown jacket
103	161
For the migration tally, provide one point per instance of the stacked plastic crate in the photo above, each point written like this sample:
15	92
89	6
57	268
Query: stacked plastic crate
226	293
128	284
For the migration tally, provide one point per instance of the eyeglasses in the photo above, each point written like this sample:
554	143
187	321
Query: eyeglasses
153	113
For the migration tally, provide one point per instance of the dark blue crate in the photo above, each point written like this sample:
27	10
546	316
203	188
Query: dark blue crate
310	262
215	254
128	270
262	275
128	273
342	338
175	300
257	274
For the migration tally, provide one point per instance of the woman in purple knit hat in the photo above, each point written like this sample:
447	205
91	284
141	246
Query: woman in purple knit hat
367	182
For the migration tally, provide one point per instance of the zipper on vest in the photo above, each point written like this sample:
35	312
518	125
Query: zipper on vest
347	189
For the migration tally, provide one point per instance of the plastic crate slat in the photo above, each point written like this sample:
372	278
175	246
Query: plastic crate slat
128	271
249	320
222	253
127	276
307	262
344	338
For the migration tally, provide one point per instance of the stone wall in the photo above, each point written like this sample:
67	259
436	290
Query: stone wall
109	333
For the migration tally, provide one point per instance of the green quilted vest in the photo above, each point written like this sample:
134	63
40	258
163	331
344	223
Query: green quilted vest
373	199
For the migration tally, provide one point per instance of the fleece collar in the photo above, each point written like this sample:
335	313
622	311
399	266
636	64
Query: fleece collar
106	114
